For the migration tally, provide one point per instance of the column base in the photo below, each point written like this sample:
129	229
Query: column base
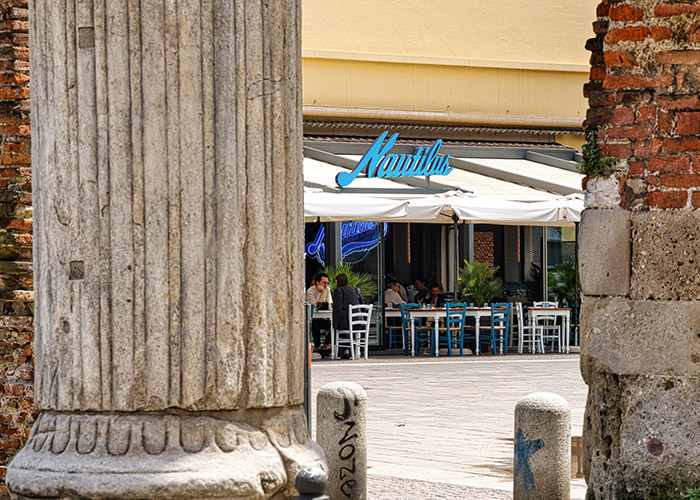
252	454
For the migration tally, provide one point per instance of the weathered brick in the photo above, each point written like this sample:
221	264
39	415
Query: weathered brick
669	164
14	389
661	33
629	132
597	74
678	57
680	181
632	34
688	123
600	27
594	44
600	99
19	13
621	116
646	149
637	81
666	9
9	444
675	102
685	144
667	199
13	25
626	13
620	150
619	58
665	122
646	114
636	167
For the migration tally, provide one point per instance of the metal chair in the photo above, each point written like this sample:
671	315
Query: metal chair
455	316
357	337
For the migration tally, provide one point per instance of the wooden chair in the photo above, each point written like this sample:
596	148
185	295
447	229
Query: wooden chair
535	337
455	316
357	337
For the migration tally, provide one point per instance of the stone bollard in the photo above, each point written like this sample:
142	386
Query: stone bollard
542	454
311	484
341	423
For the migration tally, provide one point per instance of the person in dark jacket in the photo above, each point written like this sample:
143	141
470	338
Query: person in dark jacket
421	291
343	297
435	297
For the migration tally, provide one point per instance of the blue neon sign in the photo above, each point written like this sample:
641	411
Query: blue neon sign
358	239
380	164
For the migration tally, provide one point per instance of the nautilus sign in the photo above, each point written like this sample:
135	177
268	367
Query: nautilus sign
378	163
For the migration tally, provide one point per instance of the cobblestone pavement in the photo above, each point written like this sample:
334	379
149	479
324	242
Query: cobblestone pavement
443	428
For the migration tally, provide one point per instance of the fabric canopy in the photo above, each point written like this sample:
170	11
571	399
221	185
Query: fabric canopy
456	206
338	207
443	208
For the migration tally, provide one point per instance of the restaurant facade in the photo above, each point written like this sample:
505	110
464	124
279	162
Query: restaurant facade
507	115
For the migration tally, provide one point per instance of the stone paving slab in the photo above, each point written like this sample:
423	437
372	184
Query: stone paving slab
385	488
449	421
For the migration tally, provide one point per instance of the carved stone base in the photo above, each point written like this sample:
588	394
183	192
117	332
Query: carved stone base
233	455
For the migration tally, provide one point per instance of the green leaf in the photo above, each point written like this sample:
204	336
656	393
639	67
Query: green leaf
363	281
593	165
477	283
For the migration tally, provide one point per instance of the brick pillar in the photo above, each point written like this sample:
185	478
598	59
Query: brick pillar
640	253
16	296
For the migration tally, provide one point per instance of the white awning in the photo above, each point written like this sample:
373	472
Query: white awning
336	207
455	206
479	190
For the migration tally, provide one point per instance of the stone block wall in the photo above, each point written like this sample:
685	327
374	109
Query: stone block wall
16	295
638	247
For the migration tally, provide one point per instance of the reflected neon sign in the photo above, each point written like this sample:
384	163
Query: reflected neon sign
358	239
378	163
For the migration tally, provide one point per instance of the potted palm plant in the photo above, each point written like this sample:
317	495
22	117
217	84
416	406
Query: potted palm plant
478	284
362	281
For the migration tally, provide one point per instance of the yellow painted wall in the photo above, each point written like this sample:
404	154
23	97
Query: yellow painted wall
506	57
551	31
449	89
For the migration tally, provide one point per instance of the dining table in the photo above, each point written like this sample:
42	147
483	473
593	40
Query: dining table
536	313
472	312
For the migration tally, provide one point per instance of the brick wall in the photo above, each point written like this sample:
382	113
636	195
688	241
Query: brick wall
643	95
484	247
639	253
16	296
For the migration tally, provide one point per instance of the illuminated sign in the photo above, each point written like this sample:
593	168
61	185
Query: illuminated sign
358	239
377	162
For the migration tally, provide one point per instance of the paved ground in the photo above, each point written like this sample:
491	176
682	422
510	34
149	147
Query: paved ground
443	428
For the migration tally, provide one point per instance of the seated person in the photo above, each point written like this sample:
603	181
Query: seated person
344	296
319	295
392	298
421	291
435	297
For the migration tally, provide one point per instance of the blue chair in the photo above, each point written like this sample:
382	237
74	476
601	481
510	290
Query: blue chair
500	322
420	331
455	316
396	333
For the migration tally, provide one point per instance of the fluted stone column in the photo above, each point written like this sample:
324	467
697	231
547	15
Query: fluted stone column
168	251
